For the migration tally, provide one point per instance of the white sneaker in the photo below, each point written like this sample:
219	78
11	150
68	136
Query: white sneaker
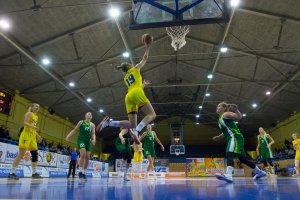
224	177
260	175
103	124
126	178
134	135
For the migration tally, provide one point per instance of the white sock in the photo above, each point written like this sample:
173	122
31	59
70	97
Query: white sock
272	170
114	123
13	170
84	170
140	126
257	170
34	170
229	170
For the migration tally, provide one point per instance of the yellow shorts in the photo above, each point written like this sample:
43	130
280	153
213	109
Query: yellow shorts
138	156
135	99
297	157
27	141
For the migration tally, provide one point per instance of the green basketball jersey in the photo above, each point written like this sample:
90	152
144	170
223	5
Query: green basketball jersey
85	130
122	147
264	140
229	128
149	139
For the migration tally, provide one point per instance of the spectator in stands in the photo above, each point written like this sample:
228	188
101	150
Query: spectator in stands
6	133
1	131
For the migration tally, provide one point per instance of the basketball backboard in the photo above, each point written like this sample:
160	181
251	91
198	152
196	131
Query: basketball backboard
164	13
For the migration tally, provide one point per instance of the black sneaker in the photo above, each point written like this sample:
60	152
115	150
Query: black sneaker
80	175
13	176
84	176
36	176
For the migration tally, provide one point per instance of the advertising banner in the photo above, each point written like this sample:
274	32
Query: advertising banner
63	161
57	172
3	147
43	171
195	167
214	165
97	166
5	169
47	159
11	153
120	167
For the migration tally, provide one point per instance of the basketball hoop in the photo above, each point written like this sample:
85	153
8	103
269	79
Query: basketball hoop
178	33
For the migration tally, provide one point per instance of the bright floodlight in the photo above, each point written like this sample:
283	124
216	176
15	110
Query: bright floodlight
224	49
200	107
234	3
126	54
71	84
89	100
114	12
152	124
101	110
254	105
207	94
197	116
268	93
45	61
236	122
4	24
210	76
244	115
197	123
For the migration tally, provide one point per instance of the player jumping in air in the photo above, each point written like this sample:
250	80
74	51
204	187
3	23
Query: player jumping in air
135	99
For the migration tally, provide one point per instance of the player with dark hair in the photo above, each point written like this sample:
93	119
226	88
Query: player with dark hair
235	141
123	145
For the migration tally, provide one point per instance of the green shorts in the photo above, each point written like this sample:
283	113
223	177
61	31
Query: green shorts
149	151
84	143
122	147
235	145
266	154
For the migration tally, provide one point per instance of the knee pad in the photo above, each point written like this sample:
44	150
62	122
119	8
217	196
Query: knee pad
34	156
297	162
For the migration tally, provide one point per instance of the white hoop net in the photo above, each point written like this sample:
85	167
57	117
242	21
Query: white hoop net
178	33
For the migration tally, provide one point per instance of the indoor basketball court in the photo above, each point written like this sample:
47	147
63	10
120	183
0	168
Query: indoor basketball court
149	99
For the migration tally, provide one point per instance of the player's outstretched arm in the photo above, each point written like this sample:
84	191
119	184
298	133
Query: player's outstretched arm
144	59
272	140
142	136
94	135
218	137
72	132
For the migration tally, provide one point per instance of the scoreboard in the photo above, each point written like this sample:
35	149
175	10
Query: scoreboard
5	101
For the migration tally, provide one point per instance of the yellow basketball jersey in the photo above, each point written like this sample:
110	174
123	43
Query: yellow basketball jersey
32	121
133	79
296	144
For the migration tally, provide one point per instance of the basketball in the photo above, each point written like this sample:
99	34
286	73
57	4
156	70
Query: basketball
147	39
